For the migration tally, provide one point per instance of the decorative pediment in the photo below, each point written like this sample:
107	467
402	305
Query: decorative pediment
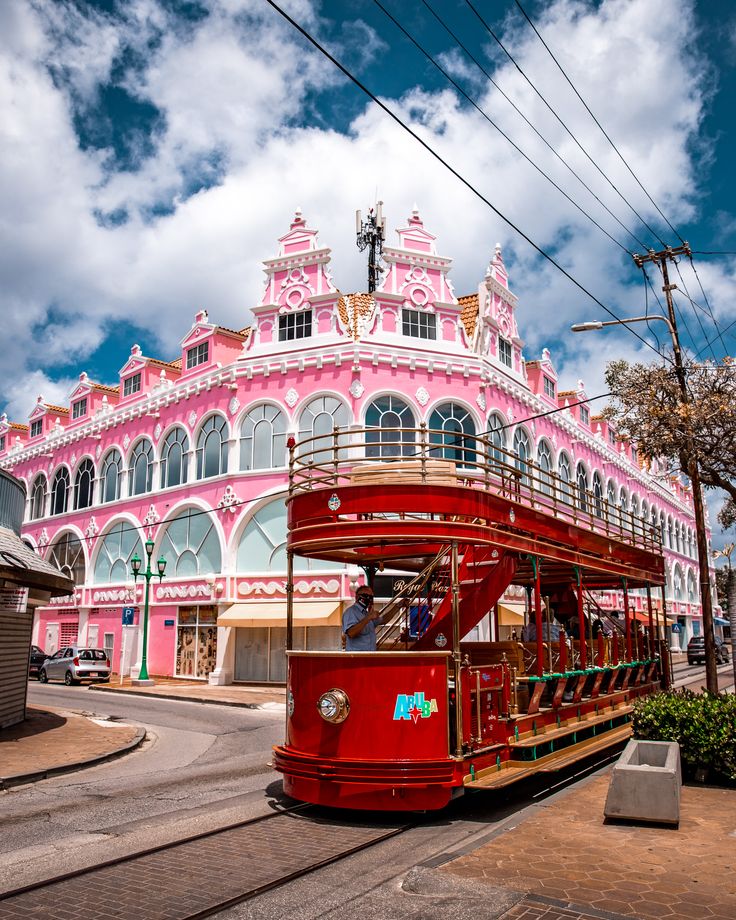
198	333
132	364
39	410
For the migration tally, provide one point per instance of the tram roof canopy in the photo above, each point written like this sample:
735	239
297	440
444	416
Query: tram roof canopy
273	613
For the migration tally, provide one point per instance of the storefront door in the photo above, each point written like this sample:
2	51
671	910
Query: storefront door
196	642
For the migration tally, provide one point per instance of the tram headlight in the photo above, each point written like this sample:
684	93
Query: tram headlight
334	706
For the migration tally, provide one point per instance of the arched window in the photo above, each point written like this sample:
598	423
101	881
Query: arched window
581	477
84	484
522	454
117	548
564	470
611	502
663	528
623	509
387	415
60	491
597	495
670	534
112	476
452	427
212	448
678	537
67	554
497	438
544	461
174	458
191	546
140	474
635	523
263	439
677	583
38	498
262	546
691	596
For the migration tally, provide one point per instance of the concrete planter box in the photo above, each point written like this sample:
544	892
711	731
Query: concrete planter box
645	784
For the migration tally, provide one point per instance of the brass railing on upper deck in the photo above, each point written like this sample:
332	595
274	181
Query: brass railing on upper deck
362	456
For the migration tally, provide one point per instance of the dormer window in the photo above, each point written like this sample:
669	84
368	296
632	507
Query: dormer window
200	354
418	325
584	415
549	388
133	384
295	326
2	442
504	351
79	408
634	454
612	437
36	428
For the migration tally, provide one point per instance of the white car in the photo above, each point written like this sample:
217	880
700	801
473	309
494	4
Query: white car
72	664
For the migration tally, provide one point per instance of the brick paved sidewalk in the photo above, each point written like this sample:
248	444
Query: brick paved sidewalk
56	741
573	865
173	688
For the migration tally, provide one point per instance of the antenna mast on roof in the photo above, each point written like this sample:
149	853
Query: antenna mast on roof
370	235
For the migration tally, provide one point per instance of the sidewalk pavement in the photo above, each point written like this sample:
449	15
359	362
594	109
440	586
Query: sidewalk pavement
196	691
569	862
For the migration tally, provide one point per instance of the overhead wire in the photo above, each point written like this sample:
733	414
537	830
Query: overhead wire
385	108
493	124
563	124
539	134
693	305
603	131
705	297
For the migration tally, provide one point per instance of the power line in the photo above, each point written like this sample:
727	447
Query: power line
493	124
382	105
603	131
705	297
712	252
694	305
544	140
559	119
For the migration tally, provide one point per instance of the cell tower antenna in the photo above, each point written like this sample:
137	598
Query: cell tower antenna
370	234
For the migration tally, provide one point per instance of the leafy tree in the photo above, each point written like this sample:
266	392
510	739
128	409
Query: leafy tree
647	407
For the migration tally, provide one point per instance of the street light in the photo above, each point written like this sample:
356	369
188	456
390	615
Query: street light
135	564
692	471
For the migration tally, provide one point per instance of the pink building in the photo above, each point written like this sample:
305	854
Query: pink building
193	453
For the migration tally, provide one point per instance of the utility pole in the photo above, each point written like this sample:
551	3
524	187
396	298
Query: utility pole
660	259
370	234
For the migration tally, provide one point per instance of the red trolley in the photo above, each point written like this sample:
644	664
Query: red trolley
429	714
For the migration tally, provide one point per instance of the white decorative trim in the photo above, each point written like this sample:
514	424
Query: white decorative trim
152	516
292	397
182	592
229	500
192	419
126	441
233	405
73	459
270	588
422	396
356	389
43	538
481	400
92	529
157	431
98	451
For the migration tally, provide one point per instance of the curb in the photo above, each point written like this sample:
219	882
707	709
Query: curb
19	779
183	699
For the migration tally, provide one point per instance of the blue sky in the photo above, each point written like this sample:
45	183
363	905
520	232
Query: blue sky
153	150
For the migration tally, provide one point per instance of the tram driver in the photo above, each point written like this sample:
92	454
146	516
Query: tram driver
359	622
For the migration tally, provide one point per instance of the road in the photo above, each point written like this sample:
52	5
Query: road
201	766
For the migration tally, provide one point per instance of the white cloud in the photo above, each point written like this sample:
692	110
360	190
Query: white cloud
231	90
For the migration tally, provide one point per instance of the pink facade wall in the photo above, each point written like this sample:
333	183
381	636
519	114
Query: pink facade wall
353	362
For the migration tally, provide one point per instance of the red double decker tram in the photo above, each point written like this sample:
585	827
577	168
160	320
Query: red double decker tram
431	714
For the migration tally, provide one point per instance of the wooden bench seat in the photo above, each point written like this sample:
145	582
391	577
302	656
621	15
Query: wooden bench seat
436	472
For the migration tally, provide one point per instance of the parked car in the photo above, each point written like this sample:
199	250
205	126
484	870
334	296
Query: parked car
72	664
37	658
696	650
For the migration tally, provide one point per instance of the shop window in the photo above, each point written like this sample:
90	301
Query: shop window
117	548
212	448
392	426
452	428
112	474
196	641
174	458
84	484
191	546
263	439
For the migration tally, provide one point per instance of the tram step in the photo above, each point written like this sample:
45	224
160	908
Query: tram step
513	770
529	740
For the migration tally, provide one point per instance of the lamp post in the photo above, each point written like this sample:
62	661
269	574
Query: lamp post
692	471
135	564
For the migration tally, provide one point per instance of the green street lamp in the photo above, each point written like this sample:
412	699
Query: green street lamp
135	564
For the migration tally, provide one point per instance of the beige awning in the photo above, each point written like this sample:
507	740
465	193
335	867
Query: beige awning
270	613
511	614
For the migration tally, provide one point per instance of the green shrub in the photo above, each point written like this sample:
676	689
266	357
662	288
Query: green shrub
703	724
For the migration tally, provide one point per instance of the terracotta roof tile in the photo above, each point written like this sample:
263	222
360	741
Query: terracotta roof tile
468	312
105	388
236	332
16	426
175	364
354	307
57	409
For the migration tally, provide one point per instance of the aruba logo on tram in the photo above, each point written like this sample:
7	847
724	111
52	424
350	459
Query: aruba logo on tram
413	706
